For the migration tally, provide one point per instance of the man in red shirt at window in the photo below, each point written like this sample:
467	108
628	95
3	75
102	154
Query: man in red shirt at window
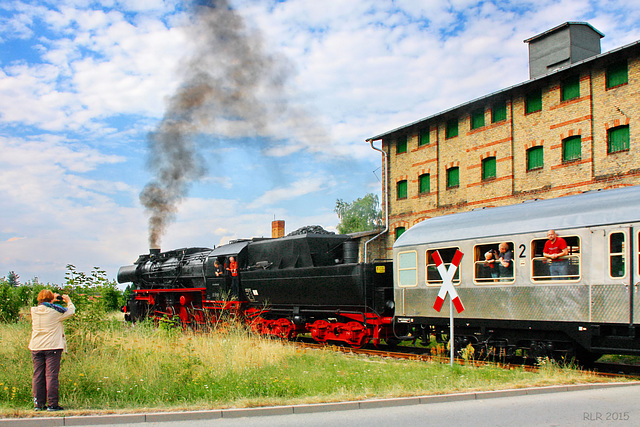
232	268
554	250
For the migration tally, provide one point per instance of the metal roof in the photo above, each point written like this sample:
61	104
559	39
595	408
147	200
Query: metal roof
230	249
583	210
504	91
566	24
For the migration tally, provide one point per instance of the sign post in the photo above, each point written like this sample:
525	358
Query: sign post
448	288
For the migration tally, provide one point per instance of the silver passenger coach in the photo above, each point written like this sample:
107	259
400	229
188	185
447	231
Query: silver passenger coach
594	308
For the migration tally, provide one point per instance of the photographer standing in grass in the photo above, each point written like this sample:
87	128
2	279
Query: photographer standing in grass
46	345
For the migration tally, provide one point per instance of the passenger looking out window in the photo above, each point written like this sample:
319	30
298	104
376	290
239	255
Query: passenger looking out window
555	251
493	263
505	265
556	258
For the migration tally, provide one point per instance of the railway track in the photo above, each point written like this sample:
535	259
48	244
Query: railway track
604	369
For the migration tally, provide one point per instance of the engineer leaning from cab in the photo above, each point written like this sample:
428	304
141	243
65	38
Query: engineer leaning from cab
46	345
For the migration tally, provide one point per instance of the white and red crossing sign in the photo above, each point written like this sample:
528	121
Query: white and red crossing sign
447	285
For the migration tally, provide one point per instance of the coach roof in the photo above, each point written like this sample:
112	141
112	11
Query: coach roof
588	209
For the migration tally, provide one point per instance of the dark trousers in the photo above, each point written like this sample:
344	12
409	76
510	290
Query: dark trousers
235	286
46	366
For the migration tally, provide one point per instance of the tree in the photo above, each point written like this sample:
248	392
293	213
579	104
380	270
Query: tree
363	214
12	278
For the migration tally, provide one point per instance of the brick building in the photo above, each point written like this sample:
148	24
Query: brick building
571	127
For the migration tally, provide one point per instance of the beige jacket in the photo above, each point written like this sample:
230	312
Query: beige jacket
47	331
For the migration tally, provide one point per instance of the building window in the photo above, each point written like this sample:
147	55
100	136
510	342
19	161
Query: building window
452	128
617	74
453	177
571	148
424	183
618	139
488	168
399	231
424	138
477	119
499	112
401	144
570	88
535	158
533	102
401	189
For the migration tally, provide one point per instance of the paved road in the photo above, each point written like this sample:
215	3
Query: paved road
609	406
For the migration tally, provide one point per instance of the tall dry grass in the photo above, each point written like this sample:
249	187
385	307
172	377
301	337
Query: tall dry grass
113	366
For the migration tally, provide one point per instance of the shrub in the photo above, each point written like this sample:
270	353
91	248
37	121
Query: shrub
10	302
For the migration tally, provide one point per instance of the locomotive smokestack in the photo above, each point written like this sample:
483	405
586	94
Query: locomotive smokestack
154	251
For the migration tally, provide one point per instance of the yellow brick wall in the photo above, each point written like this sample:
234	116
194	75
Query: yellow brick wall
596	110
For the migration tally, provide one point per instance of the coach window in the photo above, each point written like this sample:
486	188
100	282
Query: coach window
540	271
487	267
407	269
433	275
616	255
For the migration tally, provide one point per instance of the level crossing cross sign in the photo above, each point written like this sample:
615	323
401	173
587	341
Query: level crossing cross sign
447	285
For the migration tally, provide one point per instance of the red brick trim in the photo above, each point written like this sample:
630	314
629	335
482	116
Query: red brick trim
489	144
452	164
533	144
502	178
413	165
573	163
570	122
616	123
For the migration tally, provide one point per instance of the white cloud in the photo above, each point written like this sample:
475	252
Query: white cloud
97	77
294	190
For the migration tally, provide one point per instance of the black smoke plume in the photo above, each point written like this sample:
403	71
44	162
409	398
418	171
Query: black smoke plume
230	83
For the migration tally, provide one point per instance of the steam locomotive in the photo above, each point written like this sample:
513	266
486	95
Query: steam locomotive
313	283
302	283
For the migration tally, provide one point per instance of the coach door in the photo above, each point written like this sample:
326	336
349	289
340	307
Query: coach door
635	283
622	265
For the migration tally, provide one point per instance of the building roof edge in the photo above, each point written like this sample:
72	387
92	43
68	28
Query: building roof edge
510	88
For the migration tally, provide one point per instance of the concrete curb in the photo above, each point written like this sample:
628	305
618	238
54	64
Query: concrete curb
159	417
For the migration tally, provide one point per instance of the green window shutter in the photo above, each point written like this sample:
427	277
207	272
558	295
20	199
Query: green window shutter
618	139
424	183
535	158
452	128
533	102
424	138
488	168
401	189
399	231
570	88
499	112
617	74
477	119
572	148
401	144
453	177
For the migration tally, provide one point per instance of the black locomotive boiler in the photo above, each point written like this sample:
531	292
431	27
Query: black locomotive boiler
304	283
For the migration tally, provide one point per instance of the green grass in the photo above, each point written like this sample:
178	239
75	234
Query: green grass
117	367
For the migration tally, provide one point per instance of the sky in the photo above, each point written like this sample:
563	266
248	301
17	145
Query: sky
214	121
